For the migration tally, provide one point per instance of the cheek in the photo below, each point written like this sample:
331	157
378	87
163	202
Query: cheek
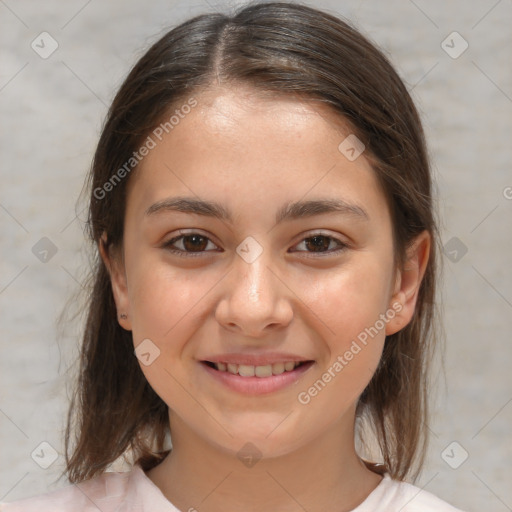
348	306
349	299
350	309
168	303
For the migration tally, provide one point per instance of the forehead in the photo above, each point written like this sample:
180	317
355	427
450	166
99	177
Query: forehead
229	108
241	144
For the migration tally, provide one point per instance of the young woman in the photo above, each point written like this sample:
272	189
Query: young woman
260	200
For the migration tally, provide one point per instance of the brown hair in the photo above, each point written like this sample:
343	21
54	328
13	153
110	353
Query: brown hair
276	47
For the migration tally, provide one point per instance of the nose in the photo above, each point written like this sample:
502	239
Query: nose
255	299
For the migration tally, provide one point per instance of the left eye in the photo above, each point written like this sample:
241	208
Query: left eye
197	243
320	243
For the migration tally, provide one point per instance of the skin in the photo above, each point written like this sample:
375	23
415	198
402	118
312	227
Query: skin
252	155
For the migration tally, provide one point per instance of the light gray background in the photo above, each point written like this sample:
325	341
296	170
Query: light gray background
52	111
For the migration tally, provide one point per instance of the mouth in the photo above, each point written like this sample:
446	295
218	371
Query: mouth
257	380
260	371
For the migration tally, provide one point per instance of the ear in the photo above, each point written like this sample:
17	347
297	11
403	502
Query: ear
408	281
115	267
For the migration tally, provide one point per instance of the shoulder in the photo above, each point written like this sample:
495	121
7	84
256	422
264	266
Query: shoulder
391	495
418	500
104	492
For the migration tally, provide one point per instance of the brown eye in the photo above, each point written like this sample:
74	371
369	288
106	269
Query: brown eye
195	242
186	244
320	243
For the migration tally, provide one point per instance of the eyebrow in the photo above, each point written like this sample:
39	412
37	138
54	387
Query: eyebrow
289	211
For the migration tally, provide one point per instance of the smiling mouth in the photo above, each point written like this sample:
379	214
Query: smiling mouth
261	371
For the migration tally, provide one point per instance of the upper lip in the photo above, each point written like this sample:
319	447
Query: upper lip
256	359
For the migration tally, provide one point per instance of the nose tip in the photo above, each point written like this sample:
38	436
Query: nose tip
254	301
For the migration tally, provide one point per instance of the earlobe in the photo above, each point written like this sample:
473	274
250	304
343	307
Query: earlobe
118	281
408	282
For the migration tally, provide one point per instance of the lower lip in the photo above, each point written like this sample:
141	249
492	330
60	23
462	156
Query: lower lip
258	385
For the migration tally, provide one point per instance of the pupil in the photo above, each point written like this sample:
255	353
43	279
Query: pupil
317	244
194	245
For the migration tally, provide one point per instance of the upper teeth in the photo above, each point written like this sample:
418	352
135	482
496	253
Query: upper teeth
246	370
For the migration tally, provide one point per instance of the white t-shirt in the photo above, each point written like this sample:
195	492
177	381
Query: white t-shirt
133	491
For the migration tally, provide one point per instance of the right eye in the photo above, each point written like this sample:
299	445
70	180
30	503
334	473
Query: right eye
192	244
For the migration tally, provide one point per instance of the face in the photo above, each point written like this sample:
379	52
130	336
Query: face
264	282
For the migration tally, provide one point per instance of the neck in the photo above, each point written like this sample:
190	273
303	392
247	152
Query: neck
324	473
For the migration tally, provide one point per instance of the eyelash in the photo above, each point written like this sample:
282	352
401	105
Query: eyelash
187	254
